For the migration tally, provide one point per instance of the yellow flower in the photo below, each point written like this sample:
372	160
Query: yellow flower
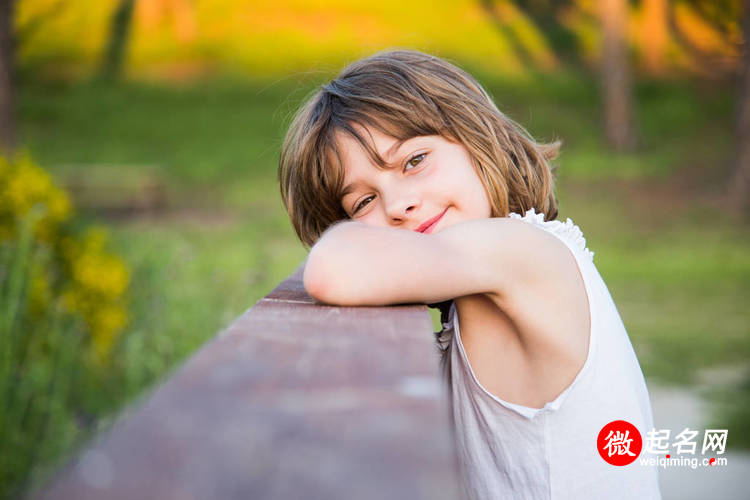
89	282
30	185
102	274
24	185
107	322
59	205
72	300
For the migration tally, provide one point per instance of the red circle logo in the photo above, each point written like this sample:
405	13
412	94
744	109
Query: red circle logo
619	443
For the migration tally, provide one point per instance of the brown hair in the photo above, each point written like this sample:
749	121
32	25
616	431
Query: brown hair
405	94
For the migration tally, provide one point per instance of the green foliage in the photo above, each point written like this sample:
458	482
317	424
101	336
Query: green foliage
62	296
38	363
68	270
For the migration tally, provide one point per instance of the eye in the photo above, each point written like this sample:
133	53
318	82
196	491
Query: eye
362	204
414	161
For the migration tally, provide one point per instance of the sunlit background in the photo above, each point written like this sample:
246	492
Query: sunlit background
140	214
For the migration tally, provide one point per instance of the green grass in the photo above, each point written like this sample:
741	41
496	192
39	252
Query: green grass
228	133
192	279
678	272
683	298
198	136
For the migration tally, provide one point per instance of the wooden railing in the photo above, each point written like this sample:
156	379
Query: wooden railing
295	400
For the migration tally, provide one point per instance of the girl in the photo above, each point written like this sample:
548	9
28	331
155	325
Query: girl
412	187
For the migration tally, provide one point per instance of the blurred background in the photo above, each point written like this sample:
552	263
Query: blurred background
140	212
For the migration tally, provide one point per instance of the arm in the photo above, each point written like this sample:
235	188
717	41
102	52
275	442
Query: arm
356	264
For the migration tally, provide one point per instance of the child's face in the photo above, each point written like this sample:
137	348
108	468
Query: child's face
431	184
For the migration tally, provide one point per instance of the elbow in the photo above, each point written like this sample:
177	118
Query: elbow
328	276
314	281
325	280
319	277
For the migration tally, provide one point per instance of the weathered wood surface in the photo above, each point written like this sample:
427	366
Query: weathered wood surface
294	400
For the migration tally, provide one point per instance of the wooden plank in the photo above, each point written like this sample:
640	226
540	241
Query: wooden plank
293	400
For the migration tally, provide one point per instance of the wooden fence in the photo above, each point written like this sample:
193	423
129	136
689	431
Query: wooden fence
294	400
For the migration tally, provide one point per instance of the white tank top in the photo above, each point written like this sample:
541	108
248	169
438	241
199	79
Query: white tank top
511	451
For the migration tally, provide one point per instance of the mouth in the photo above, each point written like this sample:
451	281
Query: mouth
429	225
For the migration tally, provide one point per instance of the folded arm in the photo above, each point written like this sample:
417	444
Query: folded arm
356	264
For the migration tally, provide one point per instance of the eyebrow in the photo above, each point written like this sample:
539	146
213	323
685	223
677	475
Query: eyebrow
391	151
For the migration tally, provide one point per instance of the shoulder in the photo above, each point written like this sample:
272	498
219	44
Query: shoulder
567	232
524	255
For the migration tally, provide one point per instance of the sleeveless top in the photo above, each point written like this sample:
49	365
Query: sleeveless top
507	450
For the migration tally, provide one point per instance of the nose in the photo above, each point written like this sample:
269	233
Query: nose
400	206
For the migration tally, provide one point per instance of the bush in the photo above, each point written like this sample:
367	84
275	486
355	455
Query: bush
62	309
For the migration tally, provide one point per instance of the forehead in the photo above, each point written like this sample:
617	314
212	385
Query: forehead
368	144
363	149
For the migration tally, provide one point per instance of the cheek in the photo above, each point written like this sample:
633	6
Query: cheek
373	218
480	205
480	202
477	193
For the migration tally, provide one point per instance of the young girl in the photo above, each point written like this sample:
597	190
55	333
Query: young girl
412	187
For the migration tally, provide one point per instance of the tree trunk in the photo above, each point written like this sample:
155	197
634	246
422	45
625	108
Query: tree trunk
7	114
500	14
654	34
739	181
118	39
615	76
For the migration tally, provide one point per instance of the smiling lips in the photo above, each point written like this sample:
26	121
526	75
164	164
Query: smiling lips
428	226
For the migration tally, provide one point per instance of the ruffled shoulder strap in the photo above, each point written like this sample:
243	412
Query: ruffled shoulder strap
566	231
